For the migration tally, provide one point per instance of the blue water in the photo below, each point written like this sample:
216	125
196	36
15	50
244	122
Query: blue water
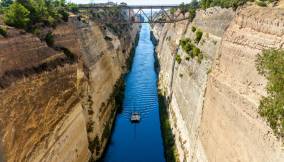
140	142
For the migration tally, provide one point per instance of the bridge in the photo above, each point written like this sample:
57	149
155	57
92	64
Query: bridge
142	13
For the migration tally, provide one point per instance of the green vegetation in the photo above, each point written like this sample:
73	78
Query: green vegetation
261	3
72	7
186	45
17	15
193	28
190	7
204	4
192	13
183	8
171	153
3	32
49	39
29	14
232	3
198	35
191	50
5	3
173	10
271	64
178	58
222	3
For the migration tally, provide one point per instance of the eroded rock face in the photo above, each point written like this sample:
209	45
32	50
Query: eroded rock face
44	91
230	112
213	105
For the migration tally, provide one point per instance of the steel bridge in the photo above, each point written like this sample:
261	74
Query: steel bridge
142	13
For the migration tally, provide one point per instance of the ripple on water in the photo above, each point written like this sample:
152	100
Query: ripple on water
138	142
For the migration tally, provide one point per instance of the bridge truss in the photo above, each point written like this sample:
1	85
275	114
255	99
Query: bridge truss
142	13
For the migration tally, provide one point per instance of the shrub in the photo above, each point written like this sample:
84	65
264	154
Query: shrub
3	32
186	45
183	42
183	8
49	39
222	3
33	12
192	13
193	28
5	3
261	3
72	7
64	14
195	51
178	59
271	64
198	36
191	50
17	15
173	10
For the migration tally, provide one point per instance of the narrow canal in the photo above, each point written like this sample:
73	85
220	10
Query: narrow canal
141	142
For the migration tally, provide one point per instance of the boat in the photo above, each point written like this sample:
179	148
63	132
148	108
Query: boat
135	117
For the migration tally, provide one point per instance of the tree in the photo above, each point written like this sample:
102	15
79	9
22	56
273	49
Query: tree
17	15
5	3
73	7
194	4
183	8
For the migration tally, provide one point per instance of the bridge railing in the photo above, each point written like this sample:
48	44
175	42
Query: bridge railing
156	14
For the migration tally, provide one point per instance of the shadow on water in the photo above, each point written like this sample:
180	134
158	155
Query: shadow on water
140	142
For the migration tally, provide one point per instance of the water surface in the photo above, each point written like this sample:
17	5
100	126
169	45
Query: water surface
138	142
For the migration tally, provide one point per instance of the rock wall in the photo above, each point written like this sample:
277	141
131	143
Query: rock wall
234	89
213	105
56	100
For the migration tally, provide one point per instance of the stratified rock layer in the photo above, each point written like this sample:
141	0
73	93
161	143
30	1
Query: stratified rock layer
56	100
214	105
234	89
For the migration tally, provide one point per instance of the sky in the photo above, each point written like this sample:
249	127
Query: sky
134	2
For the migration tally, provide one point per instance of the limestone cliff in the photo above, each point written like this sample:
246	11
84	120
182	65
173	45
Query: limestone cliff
213	105
56	101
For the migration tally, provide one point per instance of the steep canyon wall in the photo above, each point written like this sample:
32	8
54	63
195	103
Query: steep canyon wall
58	103
213	105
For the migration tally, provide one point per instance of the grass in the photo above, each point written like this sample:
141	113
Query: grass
270	63
170	149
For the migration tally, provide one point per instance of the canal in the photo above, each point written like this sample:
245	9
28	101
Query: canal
141	142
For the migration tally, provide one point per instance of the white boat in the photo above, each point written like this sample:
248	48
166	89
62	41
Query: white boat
135	117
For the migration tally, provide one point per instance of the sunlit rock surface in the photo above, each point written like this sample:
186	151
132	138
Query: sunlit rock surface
213	105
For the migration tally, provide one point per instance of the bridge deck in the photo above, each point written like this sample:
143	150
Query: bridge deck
131	6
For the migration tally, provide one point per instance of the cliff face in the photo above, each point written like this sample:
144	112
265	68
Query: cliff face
235	88
213	105
56	103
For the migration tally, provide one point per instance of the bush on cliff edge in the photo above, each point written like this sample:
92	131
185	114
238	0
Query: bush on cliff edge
271	64
17	15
